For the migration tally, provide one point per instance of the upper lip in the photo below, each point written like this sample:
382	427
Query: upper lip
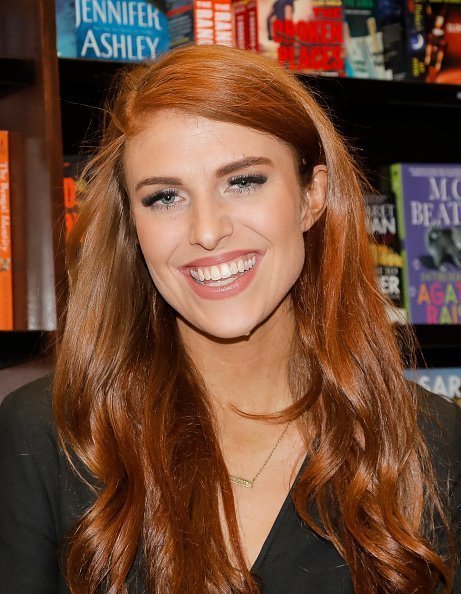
219	259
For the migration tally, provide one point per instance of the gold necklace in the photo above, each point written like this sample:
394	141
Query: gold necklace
248	483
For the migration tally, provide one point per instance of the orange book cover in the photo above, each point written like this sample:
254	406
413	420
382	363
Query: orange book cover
6	273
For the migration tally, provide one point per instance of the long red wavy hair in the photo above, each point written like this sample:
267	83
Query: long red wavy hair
131	407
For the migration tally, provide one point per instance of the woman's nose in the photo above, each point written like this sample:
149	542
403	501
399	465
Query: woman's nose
210	224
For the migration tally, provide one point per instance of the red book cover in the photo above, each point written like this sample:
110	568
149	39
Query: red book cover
252	25
6	272
239	10
71	183
303	35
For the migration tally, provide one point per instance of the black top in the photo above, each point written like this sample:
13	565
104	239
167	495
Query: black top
41	499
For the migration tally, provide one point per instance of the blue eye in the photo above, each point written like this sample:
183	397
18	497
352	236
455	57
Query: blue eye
246	183
163	199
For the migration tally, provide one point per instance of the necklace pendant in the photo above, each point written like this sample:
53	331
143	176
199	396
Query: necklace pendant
237	480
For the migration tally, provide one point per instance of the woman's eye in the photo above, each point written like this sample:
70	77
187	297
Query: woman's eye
246	183
163	199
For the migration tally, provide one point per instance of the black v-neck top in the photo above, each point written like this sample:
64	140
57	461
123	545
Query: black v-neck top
41	499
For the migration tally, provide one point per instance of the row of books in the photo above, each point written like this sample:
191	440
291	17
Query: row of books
416	225
381	39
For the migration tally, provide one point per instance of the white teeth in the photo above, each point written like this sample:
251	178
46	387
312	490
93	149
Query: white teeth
215	274
223	271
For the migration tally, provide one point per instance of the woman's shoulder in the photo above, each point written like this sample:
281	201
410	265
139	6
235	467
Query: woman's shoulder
28	411
440	423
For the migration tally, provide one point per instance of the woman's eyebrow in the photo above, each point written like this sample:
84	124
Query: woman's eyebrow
221	172
152	181
241	164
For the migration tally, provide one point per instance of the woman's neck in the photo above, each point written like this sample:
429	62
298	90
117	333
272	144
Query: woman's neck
250	373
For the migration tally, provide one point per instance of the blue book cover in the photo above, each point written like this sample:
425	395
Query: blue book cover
429	217
445	381
118	30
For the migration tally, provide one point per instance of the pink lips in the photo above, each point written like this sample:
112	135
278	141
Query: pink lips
230	290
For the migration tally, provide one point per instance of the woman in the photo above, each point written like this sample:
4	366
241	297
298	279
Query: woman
228	398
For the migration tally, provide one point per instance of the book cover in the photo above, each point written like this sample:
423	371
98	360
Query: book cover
443	41
119	30
429	219
385	247
445	381
6	272
363	41
303	35
200	21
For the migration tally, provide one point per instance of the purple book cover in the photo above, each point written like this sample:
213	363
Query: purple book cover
429	208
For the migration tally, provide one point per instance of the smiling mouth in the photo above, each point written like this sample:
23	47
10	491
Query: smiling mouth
223	274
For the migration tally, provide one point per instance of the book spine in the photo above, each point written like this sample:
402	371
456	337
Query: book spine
251	22
70	204
223	33
390	17
239	10
397	189
415	36
6	272
203	22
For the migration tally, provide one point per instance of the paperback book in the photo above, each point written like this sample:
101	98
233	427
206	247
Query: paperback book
374	39
6	272
305	36
201	21
118	30
72	184
385	247
429	218
415	28
442	59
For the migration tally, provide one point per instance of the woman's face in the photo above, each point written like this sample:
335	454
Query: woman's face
220	217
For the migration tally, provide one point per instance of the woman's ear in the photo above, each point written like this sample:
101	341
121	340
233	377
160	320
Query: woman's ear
314	198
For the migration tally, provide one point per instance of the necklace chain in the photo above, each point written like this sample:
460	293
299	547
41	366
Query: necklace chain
248	483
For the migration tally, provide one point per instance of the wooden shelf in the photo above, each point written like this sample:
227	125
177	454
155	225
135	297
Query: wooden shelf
15	75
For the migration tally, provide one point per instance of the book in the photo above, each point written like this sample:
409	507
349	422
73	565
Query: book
363	42
445	381
120	30
374	39
305	36
200	21
385	247
6	272
429	219
443	41
72	183
415	35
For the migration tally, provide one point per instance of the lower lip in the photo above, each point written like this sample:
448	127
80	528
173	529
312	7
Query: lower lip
230	290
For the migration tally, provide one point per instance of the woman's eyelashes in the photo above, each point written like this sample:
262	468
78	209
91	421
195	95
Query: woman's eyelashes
165	198
246	183
168	198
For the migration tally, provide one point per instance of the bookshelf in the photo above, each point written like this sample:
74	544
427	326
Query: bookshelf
55	106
